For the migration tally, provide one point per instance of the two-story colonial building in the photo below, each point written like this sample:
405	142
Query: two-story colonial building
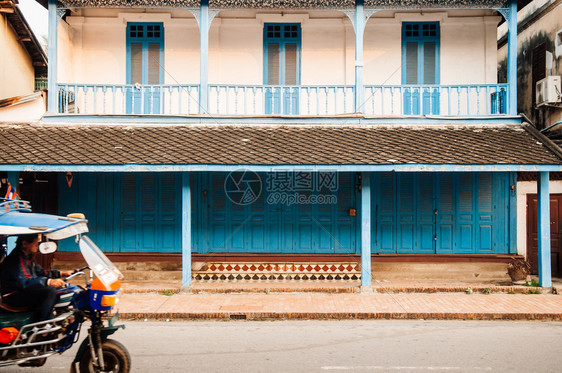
285	139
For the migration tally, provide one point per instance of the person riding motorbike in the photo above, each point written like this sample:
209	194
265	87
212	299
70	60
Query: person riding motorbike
24	283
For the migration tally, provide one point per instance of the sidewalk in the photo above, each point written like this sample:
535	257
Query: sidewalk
288	301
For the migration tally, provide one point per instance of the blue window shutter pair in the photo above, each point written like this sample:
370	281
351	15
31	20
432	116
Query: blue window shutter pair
420	52
145	66
282	49
420	66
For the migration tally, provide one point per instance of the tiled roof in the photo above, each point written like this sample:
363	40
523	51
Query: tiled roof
42	144
288	4
26	36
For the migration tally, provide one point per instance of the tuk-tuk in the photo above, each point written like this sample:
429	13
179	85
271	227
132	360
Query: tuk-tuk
27	342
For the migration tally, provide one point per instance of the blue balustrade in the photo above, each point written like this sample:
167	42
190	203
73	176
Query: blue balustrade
304	100
225	99
122	99
448	100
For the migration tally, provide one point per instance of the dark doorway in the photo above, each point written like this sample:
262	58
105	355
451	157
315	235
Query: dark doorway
555	233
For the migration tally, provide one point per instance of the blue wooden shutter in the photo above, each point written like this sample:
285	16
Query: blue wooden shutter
218	213
169	225
129	212
445	215
345	228
257	224
148	213
465	215
385	223
412	63
429	63
406	213
426	219
485	217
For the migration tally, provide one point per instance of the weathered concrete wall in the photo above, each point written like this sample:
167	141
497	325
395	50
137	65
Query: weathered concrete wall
539	23
17	76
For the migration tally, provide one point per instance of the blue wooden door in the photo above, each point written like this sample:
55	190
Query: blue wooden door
150	219
318	222
126	212
282	67
420	67
445	229
145	71
443	213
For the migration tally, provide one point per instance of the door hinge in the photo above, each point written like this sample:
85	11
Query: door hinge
435	238
435	212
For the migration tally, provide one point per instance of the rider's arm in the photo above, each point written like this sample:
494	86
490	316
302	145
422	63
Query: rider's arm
53	273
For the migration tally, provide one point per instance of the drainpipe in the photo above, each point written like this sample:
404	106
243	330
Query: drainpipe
512	57
52	94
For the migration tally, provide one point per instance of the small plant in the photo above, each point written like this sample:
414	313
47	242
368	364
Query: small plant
534	291
511	292
468	291
267	291
486	291
168	292
533	283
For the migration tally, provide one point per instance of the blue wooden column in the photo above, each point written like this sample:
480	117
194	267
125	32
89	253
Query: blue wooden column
186	229
359	32
14	180
543	203
512	57
204	57
365	229
52	95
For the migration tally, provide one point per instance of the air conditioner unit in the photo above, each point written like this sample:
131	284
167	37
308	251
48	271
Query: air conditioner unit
548	91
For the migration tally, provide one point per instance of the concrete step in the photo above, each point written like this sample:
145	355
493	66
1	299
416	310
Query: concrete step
465	271
443	271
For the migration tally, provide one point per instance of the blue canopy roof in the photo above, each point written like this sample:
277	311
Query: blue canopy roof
16	219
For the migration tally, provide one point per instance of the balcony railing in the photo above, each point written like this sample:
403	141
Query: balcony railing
286	100
449	100
166	99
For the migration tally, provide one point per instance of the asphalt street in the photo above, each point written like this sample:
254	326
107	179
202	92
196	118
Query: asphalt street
335	346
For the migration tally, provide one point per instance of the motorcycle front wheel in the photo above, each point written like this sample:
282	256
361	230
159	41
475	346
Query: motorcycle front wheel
115	356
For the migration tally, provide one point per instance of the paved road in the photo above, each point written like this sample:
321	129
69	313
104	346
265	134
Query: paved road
336	346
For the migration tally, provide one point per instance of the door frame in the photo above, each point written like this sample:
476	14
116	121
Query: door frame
145	40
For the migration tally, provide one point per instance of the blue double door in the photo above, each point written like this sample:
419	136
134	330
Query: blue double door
442	213
126	212
265	222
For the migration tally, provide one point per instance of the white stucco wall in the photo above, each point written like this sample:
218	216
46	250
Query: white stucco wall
92	49
17	76
523	189
96	47
467	55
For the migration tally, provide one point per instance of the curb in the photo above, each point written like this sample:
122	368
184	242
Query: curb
258	316
350	290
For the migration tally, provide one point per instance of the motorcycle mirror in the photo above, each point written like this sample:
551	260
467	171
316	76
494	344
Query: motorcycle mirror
47	247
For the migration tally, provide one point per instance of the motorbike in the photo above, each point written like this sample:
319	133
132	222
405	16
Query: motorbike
27	342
